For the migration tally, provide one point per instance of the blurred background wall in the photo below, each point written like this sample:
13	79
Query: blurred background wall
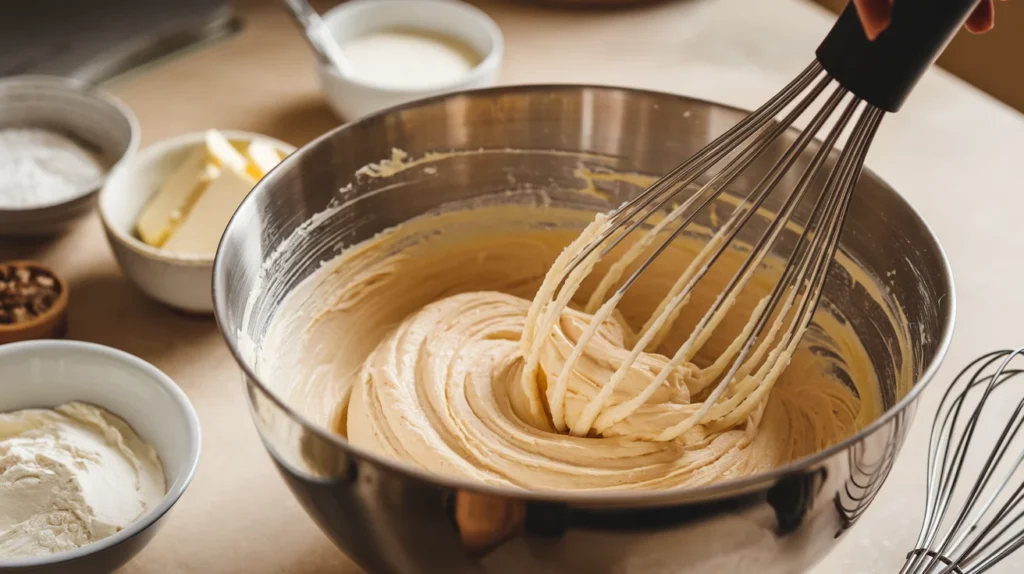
993	62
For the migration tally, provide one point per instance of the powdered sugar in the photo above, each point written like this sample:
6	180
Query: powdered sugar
39	167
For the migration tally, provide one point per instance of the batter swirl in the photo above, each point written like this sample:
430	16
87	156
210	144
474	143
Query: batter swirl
420	350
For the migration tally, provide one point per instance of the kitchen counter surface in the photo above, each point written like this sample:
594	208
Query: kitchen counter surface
954	152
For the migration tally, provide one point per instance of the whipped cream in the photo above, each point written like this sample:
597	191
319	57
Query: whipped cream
409	59
70	476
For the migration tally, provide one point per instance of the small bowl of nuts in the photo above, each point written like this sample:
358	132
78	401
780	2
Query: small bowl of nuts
33	302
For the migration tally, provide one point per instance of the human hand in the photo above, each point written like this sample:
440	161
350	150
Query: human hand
875	16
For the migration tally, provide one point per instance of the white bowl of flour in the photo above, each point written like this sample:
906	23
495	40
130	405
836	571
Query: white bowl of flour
97	446
58	140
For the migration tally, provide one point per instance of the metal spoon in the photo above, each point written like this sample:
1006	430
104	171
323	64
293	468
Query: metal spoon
318	36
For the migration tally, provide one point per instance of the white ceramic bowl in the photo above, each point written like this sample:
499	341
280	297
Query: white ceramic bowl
352	98
90	115
39	374
179	280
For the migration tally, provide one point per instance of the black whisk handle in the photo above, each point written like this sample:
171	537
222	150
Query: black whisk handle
883	71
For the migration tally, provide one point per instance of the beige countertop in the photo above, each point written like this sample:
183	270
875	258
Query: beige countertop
953	152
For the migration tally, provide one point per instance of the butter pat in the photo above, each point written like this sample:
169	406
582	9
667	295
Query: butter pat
191	209
226	156
200	231
173	199
262	155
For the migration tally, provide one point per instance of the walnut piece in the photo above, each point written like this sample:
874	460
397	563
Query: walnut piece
26	292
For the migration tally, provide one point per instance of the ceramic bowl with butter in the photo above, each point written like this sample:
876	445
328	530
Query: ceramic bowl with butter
404	50
100	126
165	210
46	374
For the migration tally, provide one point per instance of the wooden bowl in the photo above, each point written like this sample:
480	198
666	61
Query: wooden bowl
51	324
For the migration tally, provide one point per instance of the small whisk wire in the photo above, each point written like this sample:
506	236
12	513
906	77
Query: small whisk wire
968	531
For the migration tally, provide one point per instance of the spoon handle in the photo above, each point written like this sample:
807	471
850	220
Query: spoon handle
318	36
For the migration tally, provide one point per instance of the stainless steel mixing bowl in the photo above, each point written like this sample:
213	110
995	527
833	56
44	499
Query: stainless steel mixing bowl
389	517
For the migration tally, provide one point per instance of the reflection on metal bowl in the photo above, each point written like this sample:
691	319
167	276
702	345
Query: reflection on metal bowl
392	518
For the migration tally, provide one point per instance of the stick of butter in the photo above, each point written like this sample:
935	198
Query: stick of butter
173	199
200	231
263	155
192	208
225	155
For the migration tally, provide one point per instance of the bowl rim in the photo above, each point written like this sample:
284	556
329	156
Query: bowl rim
487	65
99	94
194	441
633	498
151	152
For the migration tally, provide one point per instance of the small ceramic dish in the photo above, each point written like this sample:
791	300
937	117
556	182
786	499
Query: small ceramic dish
179	280
51	323
352	98
95	119
41	374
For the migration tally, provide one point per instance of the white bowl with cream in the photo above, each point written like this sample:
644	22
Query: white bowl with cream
180	280
404	50
46	374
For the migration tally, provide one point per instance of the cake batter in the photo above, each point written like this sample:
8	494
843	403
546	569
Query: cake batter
412	345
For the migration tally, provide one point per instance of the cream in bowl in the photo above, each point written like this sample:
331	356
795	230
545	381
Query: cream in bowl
409	59
403	50
165	211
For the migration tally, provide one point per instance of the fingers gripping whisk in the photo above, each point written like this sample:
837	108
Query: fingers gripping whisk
733	385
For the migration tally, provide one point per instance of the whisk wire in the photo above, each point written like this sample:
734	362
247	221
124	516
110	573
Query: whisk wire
979	546
743	211
763	312
954	467
823	247
951	544
987	524
939	483
866	129
995	458
1005	549
791	301
724	237
685	174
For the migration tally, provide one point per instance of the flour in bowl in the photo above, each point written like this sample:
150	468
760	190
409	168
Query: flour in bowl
39	167
70	476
